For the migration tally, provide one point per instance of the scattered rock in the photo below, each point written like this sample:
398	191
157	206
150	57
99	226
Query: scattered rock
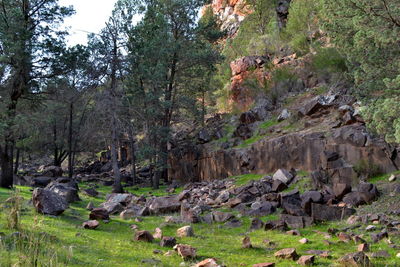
293	232
92	224
99	214
185	251
286	253
264	264
91	192
47	202
90	206
256	224
392	178
285	114
246	243
304	241
344	237
358	259
283	175
185	231
340	190
167	241
208	263
321	212
306	260
380	254
158	234
144	236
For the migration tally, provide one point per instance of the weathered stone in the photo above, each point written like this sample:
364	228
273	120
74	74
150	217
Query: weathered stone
92	224
344	237
303	241
378	236
285	114
48	202
306	260
275	225
53	171
233	223
185	251
286	253
296	221
246	243
364	247
256	224
91	192
124	199
293	232
167	241
380	254
99	214
208	263
144	236
188	215
112	207
220	216
316	104
41	181
278	186
264	209
283	175
341	190
358	259
164	205
321	212
158	234
185	231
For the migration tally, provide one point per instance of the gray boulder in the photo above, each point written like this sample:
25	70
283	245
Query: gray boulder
47	202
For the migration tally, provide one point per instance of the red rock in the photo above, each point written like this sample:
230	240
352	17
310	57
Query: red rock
306	260
207	263
286	253
344	237
185	251
99	214
144	236
92	224
363	247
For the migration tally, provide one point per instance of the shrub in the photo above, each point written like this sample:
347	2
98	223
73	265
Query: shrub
367	169
328	60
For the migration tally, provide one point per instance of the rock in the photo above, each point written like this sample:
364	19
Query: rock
208	263
392	178
379	236
53	171
353	219
220	216
92	224
321	212
275	225
340	190
185	251
234	223
263	209
222	197
185	194
344	237
167	241
134	211
245	63
370	228
286	253
165	205
90	206
291	203
278	186
48	202
185	231
306	260
99	214
41	181
70	194
285	114
151	262
264	264
144	236
256	224
91	192
293	232
188	215
358	259
296	221
112	207
203	136
283	175
380	254
303	241
364	247
158	233
246	243
320	253
316	104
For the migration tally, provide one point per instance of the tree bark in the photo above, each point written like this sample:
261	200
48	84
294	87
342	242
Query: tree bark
17	161
70	154
133	156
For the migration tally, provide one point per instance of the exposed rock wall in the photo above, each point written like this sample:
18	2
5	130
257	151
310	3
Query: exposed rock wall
335	151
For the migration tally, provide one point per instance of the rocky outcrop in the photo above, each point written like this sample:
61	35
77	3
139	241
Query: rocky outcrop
332	151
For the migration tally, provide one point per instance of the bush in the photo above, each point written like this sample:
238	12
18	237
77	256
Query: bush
282	81
367	169
328	60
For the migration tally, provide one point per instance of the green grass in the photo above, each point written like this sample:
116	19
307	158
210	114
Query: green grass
257	135
382	177
111	244
245	178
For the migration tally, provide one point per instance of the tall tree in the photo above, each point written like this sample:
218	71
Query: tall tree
29	45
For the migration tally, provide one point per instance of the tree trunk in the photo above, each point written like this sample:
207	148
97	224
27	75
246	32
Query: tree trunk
70	155
133	156
17	161
7	175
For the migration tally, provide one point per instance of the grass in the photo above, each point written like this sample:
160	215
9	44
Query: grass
257	133
245	178
111	244
382	177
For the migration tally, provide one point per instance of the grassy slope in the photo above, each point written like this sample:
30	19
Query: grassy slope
111	244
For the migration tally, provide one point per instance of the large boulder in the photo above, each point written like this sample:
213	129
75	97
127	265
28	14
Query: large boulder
47	202
283	175
41	181
165	205
53	171
358	259
70	194
321	212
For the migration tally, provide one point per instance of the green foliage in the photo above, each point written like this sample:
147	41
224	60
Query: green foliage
367	169
328	60
282	81
302	22
245	178
383	118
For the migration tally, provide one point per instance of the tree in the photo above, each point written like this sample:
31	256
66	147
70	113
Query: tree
165	52
29	44
367	32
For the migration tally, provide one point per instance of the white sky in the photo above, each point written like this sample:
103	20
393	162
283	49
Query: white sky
90	16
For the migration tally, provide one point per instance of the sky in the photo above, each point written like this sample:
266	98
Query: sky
90	16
